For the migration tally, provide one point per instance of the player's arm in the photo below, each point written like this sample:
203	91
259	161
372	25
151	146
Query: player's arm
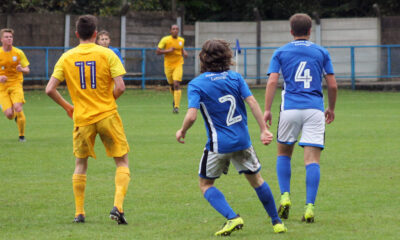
160	51
269	96
51	91
24	70
184	53
332	95
190	118
266	135
119	88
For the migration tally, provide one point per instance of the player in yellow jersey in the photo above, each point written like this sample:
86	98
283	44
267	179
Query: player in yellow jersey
94	79
13	64
172	47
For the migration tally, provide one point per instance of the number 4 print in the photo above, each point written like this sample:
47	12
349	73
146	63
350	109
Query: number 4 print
303	75
92	65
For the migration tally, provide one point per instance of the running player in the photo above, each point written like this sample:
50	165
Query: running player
172	48
220	94
13	64
302	64
94	79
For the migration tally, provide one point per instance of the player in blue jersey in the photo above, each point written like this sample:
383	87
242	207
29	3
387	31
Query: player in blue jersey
302	64
103	39
220	95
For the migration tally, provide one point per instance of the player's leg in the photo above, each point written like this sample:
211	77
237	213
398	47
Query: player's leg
79	186
6	105
83	147
168	74
312	140
21	120
177	77
289	127
112	135
311	161
18	99
267	199
211	166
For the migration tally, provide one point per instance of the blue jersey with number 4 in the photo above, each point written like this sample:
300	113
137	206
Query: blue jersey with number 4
220	98
302	64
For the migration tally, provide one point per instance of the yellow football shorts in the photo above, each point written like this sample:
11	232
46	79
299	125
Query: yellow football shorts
111	134
173	73
11	94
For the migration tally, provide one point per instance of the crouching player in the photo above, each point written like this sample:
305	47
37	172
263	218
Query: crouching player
220	95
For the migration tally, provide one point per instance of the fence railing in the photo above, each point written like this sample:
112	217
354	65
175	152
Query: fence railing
354	64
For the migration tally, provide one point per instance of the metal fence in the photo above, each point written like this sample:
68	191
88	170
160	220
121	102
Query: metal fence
355	64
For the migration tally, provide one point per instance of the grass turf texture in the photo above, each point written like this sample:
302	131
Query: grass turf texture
358	196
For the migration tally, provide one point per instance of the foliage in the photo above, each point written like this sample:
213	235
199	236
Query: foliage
210	10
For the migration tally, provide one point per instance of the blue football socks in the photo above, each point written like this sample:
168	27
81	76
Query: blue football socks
218	201
267	199
312	182
284	172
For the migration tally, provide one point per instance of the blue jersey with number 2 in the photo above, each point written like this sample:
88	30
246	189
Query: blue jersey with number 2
220	98
302	64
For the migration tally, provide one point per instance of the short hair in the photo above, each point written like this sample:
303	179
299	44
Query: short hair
300	24
86	25
215	56
173	25
4	30
101	33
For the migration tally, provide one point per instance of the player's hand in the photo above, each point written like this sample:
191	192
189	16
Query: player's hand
266	137
268	118
70	111
3	79
180	135
19	68
185	54
329	116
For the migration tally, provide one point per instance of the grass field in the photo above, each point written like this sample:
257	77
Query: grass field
359	194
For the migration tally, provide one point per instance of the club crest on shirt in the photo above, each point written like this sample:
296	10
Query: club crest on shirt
14	58
180	43
2	67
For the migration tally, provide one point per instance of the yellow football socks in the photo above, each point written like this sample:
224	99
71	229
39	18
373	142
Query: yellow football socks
79	185
122	178
21	123
177	97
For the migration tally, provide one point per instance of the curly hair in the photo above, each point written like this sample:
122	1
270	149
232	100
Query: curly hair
215	56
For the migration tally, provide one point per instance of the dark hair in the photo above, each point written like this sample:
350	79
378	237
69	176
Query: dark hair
215	56
300	23
85	26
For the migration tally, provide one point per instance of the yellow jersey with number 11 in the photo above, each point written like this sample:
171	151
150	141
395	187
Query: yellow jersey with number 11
88	70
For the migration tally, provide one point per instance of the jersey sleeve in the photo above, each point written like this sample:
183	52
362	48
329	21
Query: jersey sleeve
59	69
274	65
193	97
24	61
162	43
116	67
244	88
328	67
118	54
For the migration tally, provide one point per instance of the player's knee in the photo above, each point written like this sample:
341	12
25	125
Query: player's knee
204	185
18	107
9	113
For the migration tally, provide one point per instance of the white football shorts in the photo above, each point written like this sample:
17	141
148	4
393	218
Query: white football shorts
212	164
310	122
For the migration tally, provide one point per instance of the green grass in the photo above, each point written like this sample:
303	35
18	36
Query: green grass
358	196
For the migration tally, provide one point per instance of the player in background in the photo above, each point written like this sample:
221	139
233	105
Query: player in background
172	48
103	39
94	79
13	64
302	64
220	94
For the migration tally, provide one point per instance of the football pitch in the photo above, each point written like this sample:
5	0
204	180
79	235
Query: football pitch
358	198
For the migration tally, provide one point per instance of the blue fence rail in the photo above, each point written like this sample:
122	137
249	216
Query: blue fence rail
351	63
